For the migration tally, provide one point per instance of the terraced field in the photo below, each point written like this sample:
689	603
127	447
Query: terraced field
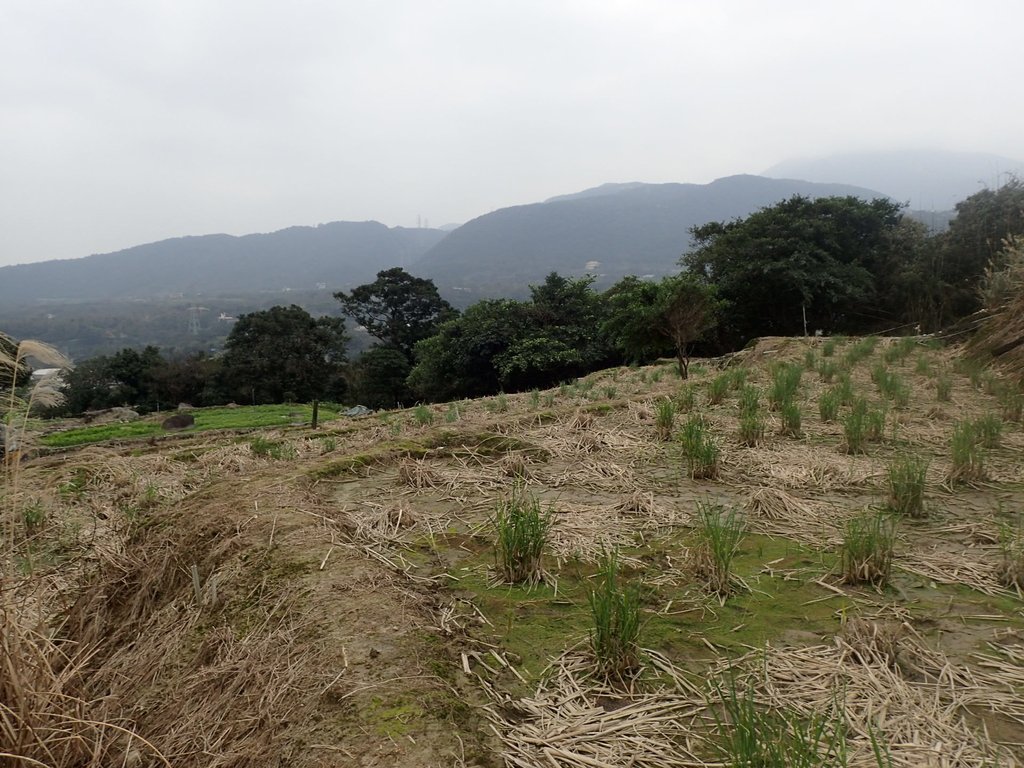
335	597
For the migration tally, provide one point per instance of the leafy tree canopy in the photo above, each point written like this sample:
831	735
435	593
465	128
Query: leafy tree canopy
397	308
377	378
283	353
976	237
816	256
515	345
648	319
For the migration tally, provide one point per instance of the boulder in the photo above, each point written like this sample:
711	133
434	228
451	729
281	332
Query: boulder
179	421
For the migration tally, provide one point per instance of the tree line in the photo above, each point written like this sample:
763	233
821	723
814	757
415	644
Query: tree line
836	265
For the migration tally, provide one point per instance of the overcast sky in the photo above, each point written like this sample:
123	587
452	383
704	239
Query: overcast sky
128	122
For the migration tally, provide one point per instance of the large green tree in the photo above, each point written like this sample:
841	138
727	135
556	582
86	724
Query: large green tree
800	258
397	308
515	345
459	360
283	353
647	319
976	238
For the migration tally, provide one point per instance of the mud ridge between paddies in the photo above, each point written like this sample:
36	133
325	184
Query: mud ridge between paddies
331	597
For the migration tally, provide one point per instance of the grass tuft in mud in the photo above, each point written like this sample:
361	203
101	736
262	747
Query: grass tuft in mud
521	528
615	610
867	549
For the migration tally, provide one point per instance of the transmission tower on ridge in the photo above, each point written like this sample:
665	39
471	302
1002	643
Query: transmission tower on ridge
193	319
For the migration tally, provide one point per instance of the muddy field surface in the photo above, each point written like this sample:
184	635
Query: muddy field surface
333	597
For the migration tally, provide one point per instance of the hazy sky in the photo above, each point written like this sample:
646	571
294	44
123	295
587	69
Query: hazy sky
127	122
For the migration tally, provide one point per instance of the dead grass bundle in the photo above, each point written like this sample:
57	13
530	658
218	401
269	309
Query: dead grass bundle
775	512
915	722
799	466
514	465
775	504
44	719
576	719
380	523
581	420
417	474
874	640
639	503
585	532
974	565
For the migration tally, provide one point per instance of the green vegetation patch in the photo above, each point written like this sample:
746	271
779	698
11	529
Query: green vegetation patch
243	417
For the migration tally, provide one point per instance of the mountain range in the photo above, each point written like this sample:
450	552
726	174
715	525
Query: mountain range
607	231
338	256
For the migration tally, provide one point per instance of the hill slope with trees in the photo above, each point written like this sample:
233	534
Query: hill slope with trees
610	232
339	254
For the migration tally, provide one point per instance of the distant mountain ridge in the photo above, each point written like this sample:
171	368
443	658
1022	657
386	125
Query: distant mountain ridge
608	231
930	180
339	255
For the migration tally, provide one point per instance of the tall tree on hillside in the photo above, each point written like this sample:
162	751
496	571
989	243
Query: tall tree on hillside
397	308
976	238
801	257
283	353
647	319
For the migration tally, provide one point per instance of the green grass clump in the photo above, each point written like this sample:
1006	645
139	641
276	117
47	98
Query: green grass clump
989	430
900	351
33	515
968	454
664	418
867	549
500	403
718	387
785	384
423	416
1011	399
610	392
844	388
855	427
828	349
751	419
452	414
810	360
615	611
943	388
891	385
828	405
272	449
755	736
718	535
535	397
1010	570
791	418
700	449
521	529
907	478
685	398
874	424
923	366
827	370
862	350
970	367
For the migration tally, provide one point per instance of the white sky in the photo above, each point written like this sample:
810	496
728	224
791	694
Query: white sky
128	122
